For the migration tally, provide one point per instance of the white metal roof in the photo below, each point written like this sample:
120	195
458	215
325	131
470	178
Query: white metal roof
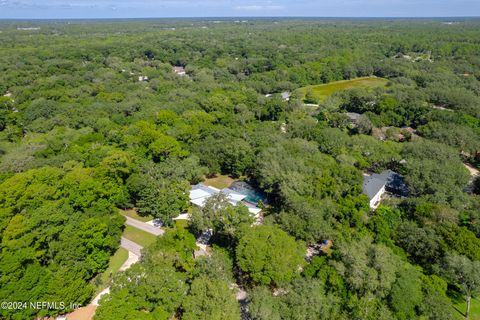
199	201
200	193
233	195
254	211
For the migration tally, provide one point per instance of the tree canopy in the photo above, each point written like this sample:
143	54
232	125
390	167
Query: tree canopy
94	118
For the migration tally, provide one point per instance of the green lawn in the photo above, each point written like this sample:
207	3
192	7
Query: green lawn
322	91
219	181
460	307
132	213
138	236
116	261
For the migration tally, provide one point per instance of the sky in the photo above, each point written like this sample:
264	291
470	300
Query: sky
41	9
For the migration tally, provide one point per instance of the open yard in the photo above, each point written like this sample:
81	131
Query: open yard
219	182
322	91
460	307
132	213
138	236
116	261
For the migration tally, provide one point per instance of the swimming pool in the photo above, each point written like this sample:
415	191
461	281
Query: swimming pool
254	196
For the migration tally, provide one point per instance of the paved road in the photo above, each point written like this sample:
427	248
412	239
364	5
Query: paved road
131	246
144	226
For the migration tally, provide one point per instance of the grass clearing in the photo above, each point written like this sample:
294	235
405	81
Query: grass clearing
116	261
132	213
138	236
219	181
322	91
460	306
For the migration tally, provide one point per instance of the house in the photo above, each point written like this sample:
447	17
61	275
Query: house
200	193
375	186
354	117
396	134
285	95
142	78
179	70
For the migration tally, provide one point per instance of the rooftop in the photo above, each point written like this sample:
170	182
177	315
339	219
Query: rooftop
178	70
389	179
200	194
285	95
353	115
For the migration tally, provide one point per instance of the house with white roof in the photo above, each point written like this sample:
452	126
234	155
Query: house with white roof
285	95
200	194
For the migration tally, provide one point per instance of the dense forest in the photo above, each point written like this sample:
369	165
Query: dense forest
93	119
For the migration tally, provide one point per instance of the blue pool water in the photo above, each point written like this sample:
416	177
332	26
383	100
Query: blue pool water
253	195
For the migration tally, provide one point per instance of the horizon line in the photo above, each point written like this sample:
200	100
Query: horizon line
251	17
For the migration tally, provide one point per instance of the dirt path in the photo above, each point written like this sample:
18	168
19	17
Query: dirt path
474	172
85	313
99	296
132	258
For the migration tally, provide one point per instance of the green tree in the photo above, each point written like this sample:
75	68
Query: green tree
422	244
303	299
210	299
164	147
368	307
434	171
221	216
367	268
462	240
406	294
384	223
163	199
435	304
465	274
160	281
268	255
166	118
364	125
217	266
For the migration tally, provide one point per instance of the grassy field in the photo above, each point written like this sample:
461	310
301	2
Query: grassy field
219	182
322	91
460	307
138	236
132	213
116	261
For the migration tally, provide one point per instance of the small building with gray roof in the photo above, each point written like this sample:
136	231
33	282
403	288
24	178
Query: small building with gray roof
375	185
